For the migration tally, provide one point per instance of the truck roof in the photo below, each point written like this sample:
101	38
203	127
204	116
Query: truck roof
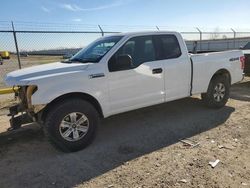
145	33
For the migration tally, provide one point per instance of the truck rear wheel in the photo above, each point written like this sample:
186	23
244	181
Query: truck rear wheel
71	125
218	92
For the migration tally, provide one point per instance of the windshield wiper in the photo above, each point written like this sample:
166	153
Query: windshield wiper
86	60
74	60
77	60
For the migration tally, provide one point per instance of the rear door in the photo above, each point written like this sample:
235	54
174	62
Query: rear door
141	85
176	66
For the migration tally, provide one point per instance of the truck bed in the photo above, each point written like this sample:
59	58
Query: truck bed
206	64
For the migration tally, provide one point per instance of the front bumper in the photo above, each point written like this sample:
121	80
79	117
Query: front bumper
22	113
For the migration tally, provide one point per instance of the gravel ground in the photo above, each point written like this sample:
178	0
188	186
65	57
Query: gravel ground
141	148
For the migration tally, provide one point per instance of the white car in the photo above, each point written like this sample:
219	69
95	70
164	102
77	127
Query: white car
115	74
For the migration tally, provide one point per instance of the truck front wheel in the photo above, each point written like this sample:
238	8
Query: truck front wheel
218	92
71	125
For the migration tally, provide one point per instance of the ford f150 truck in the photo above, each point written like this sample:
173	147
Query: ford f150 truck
115	74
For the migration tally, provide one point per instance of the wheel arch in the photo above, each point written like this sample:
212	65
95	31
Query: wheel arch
79	95
222	72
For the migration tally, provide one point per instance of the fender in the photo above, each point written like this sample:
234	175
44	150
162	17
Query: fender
79	83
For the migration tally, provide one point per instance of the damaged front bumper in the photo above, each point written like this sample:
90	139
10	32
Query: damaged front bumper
24	112
16	121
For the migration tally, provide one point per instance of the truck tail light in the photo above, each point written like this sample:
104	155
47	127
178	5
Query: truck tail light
242	61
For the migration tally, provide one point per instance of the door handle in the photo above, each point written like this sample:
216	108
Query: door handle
157	71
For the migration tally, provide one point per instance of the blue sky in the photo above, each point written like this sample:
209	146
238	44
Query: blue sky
179	13
117	15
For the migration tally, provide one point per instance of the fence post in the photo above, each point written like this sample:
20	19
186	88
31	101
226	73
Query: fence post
17	50
200	32
101	30
157	28
234	36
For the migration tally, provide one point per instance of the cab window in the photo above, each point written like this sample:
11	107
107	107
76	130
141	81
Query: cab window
167	47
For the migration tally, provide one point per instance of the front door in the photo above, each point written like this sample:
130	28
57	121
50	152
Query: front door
140	85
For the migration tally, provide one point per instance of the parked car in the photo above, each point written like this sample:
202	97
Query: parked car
5	54
130	71
246	51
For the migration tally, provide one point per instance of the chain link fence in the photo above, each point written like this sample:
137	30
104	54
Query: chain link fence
38	43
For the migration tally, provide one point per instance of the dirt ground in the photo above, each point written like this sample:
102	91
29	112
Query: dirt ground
141	148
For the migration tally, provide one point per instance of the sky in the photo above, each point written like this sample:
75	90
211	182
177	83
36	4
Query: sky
116	15
173	13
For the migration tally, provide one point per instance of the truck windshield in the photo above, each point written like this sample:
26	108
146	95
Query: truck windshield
96	50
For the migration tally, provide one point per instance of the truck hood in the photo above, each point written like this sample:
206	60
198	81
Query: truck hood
28	75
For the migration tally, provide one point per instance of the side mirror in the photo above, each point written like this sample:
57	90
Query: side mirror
124	62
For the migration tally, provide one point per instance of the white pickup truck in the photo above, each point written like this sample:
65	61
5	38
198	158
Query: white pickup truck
115	74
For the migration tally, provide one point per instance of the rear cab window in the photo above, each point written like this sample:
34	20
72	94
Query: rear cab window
167	47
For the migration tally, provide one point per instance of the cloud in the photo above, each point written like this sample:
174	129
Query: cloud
75	8
45	9
71	7
77	20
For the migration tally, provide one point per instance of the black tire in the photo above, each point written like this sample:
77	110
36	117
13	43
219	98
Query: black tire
209	98
59	112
